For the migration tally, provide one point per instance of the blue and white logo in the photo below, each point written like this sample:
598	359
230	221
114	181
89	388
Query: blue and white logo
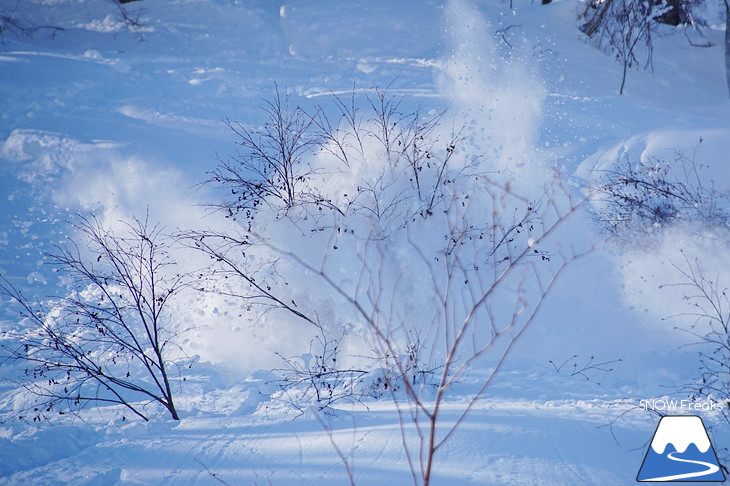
681	451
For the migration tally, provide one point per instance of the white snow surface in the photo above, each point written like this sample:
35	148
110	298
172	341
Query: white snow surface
99	118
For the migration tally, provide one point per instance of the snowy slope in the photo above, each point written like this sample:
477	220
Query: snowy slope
100	118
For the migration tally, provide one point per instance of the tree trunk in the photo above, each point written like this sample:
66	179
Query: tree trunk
727	44
623	78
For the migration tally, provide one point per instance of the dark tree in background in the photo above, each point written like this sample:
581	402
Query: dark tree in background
727	43
624	28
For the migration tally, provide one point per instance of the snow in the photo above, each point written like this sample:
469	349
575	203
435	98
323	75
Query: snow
99	118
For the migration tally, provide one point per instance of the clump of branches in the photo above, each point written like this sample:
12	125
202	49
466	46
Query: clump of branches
110	340
404	139
11	23
317	379
272	168
320	379
640	198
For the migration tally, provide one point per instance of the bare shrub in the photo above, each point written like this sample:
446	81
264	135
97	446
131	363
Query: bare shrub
316	379
478	312
639	198
110	340
269	168
418	251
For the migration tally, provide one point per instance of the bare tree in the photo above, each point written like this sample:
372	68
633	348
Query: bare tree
110	340
415	239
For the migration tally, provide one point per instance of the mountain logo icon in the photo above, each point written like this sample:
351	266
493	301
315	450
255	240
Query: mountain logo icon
680	451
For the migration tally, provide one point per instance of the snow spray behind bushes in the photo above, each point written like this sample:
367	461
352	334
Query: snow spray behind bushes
658	257
492	94
498	102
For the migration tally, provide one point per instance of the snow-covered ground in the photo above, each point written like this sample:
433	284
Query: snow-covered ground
98	118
